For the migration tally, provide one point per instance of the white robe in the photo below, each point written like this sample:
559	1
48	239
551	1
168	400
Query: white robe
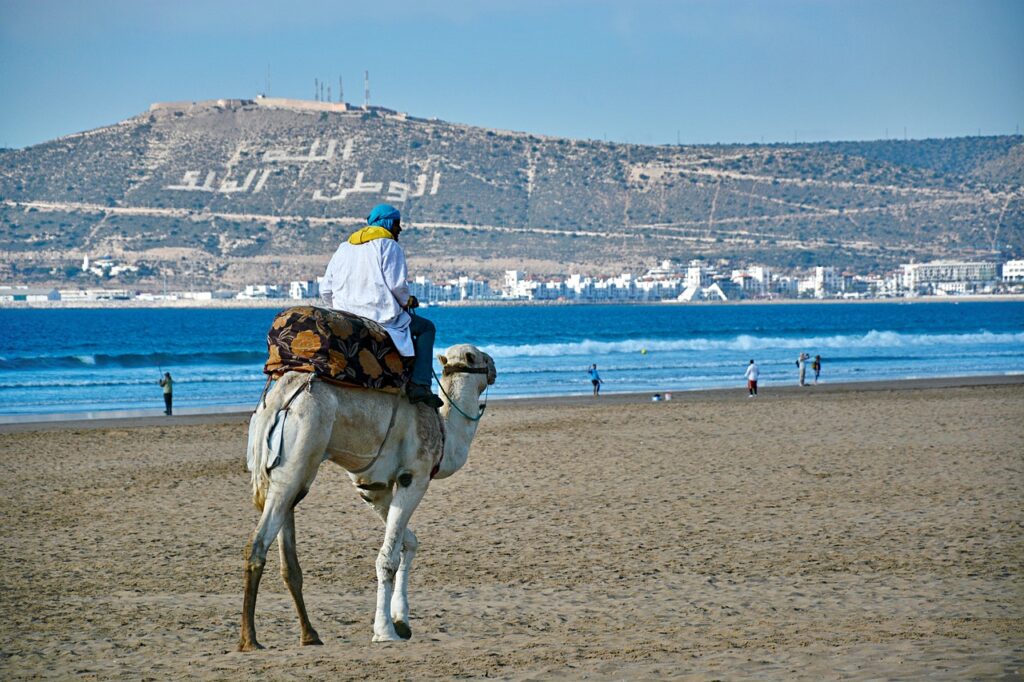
370	280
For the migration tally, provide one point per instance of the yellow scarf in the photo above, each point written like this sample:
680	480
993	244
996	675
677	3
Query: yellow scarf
369	233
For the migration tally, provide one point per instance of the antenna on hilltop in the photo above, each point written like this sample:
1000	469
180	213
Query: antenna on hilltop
316	90
328	93
366	89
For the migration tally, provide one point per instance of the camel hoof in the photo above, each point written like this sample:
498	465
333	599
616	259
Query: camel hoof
313	640
249	646
403	630
386	638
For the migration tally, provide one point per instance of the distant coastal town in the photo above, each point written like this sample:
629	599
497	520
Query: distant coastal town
670	281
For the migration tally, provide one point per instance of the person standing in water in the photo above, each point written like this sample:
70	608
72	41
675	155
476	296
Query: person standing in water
816	366
751	375
595	379
168	385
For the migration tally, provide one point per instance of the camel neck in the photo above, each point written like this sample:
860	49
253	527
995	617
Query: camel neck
460	430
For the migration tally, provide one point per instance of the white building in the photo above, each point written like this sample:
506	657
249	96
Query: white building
662	282
716	291
787	287
754	281
511	288
806	287
763	277
194	295
698	274
304	289
425	290
106	266
460	289
78	295
1013	271
581	288
826	281
667	269
746	283
475	289
28	294
949	277
260	292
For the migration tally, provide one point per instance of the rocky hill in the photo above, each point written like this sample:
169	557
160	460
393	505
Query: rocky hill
231	191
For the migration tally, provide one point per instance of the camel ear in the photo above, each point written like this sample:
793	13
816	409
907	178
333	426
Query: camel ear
470	359
443	359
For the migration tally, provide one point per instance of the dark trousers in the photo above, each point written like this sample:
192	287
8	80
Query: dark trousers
167	403
422	331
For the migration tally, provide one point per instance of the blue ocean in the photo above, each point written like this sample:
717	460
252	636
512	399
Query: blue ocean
97	360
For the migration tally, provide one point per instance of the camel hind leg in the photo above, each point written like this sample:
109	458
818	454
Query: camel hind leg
256	558
292	575
305	440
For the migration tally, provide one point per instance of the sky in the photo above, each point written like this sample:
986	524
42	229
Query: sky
641	71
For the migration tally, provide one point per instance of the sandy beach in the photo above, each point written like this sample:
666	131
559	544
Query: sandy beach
834	532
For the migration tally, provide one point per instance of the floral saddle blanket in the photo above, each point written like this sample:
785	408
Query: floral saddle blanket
338	347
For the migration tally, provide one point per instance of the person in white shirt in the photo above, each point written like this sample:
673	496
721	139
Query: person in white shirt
368	277
751	374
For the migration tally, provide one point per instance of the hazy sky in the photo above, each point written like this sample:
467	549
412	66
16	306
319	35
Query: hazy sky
640	71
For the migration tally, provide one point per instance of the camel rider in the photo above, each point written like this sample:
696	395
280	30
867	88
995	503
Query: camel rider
367	276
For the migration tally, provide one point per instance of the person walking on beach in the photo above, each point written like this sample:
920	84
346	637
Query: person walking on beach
751	374
595	379
168	385
368	276
816	366
801	363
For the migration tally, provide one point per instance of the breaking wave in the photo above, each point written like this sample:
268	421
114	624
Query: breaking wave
859	342
131	360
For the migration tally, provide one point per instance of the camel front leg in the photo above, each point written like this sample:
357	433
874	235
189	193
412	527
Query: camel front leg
379	498
389	559
292	575
400	598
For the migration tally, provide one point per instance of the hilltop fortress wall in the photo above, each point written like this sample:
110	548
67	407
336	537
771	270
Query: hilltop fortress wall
269	103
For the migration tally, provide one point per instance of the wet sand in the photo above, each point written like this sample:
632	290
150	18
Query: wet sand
840	531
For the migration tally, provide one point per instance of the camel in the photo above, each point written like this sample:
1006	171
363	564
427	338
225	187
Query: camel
389	448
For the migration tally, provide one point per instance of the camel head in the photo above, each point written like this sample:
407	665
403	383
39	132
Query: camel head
467	359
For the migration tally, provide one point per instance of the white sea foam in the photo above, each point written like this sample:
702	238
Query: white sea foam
744	342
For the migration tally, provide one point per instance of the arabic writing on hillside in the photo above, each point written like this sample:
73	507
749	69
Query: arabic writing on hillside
397	191
190	183
254	181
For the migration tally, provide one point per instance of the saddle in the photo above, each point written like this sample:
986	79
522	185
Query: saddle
336	346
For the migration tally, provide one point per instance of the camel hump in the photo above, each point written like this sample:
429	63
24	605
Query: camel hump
336	346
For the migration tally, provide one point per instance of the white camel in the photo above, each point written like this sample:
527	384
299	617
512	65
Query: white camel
388	447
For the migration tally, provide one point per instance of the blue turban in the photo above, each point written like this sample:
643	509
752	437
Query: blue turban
384	215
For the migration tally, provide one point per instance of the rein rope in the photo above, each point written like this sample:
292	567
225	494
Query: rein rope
462	369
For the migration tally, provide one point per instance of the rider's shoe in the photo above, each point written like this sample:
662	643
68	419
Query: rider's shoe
418	393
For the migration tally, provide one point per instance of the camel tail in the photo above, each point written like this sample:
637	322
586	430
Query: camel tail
256	454
265	446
